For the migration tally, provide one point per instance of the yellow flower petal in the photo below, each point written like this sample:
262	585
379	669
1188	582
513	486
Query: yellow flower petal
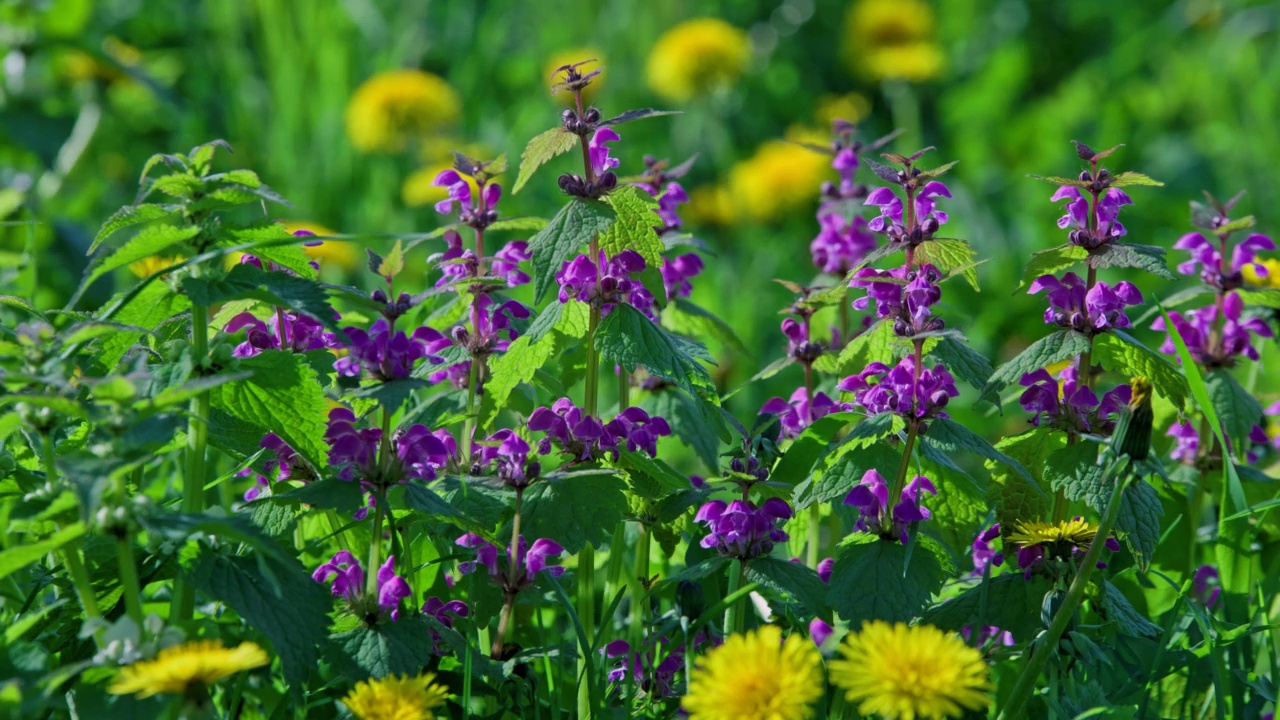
756	676
697	56
393	108
394	697
175	669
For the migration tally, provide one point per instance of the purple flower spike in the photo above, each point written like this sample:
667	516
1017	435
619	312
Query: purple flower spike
903	295
391	588
486	554
670	198
598	151
1204	586
1107	226
1086	310
871	497
1187	442
840	244
474	212
444	613
928	217
639	430
676	273
740	529
616	281
348	583
506	263
387	356
536	560
1235	337
984	554
530	560
879	388
301	333
1207	257
797	413
1071	407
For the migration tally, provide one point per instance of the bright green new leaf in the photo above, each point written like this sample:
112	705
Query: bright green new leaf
540	149
563	239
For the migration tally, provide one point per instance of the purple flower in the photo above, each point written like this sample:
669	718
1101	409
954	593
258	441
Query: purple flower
506	262
301	333
824	569
798	413
1086	310
260	484
1073	407
987	634
598	151
492	330
741	530
638	430
927	217
656	681
904	295
1186	442
840	244
286	464
529	561
1212	349
670	198
897	389
580	435
609	282
1204	586
384	355
354	452
676	273
444	613
871	497
456	263
984	553
508	454
1207	256
348	582
478	213
1106	227
820	631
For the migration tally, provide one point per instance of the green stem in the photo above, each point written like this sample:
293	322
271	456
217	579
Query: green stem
71	552
1022	691
586	615
375	550
733	613
639	580
468	424
129	578
900	480
509	599
591	390
613	570
815	535
184	594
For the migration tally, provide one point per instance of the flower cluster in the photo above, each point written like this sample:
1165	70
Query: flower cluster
1066	541
1071	405
444	613
348	582
419	452
926	219
1233	338
1207	256
901	389
662	183
529	561
458	264
602	178
286	465
586	439
676	273
871	497
656	680
904	295
386	355
798	412
606	283
476	212
1088	310
507	455
1092	229
984	554
741	530
282	330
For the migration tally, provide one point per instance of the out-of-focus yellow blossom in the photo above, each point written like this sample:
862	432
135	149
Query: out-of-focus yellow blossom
1272	279
852	107
417	190
756	676
397	697
571	57
177	669
80	65
393	108
709	205
892	40
343	254
154	264
780	177
696	57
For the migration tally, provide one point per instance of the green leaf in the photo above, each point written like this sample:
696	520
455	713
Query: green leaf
634	228
1129	177
690	320
841	477
130	215
270	242
527	353
690	422
575	511
950	254
519	223
876	344
283	397
1145	257
794	579
638	114
154	304
666	478
1014	497
1010	602
1116	607
1268	297
809	446
1049	262
278	599
868	582
394	393
1122	353
23	554
1236	407
330	493
149	241
393	264
1075	473
562	239
1044	352
963	361
178	185
274	288
627	338
949	436
399	647
540	149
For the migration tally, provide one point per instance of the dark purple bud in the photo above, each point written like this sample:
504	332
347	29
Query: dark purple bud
1085	176
565	180
378	296
608	181
592	116
736	465
930	225
460	335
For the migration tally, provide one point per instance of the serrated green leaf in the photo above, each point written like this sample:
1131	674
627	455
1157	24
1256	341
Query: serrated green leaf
1267	297
1127	178
846	472
948	435
248	178
154	304
265	236
1049	262
1013	497
1074	472
1116	607
283	397
393	264
563	238
1052	348
634	228
794	579
1236	225
519	223
1010	602
149	241
331	493
274	288
963	361
178	185
876	344
1122	353
399	647
282	603
540	149
1145	257
530	351
130	215
575	511
627	338
950	254
1237	408
868	582
689	422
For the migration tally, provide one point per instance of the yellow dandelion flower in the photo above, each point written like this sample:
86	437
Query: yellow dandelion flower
902	672
1270	280
392	108
570	57
710	205
396	698
343	254
756	676
852	108
177	669
154	264
779	178
1077	532
892	40
696	57
417	190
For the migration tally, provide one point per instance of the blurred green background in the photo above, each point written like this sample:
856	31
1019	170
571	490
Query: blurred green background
91	89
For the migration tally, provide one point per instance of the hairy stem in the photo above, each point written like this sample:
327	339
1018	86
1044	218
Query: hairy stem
184	595
733	613
639	582
586	615
509	602
71	552
469	423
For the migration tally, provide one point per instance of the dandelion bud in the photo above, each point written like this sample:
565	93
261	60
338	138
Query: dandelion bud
1132	436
